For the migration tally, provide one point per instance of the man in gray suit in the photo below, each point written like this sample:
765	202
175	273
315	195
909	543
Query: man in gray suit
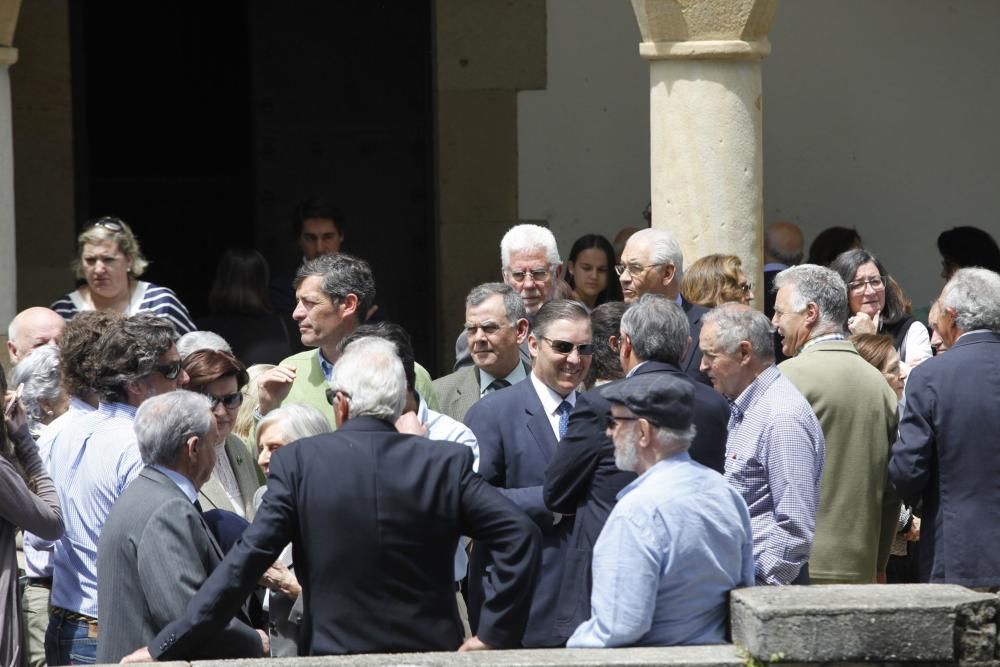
156	550
496	325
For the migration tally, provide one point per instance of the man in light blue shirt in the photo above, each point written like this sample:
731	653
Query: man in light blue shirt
679	538
135	359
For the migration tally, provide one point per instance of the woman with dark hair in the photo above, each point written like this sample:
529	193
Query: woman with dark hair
220	376
241	310
28	501
108	265
605	325
830	243
961	247
877	305
588	271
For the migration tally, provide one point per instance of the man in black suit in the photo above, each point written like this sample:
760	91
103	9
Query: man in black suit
518	429
947	453
582	477
652	263
782	249
155	548
374	517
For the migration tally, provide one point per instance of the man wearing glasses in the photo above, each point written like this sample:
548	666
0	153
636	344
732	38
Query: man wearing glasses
518	430
134	360
529	260
652	263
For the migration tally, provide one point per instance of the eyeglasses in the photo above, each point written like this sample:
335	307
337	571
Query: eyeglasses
489	328
109	223
566	347
332	392
537	275
169	371
876	282
745	287
613	421
635	269
229	401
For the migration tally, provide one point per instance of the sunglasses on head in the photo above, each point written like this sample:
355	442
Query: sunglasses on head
566	347
111	224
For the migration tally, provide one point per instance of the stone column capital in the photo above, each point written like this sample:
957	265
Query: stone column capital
705	29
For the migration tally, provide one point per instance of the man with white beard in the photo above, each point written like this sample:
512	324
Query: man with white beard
679	538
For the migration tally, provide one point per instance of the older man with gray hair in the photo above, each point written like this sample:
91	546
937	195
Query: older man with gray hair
946	455
156	549
856	519
775	449
397	505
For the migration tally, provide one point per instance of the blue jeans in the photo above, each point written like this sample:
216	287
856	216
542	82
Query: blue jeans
69	642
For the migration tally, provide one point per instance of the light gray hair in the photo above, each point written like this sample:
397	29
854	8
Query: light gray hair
513	306
521	238
39	372
201	340
296	421
663	249
820	285
164	423
737	323
670	441
658	328
974	294
370	373
342	274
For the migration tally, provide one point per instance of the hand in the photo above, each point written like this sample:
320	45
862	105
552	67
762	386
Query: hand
14	413
137	656
273	387
265	642
279	578
861	323
408	423
913	534
474	643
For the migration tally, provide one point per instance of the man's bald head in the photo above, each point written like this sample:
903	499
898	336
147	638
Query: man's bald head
32	328
783	243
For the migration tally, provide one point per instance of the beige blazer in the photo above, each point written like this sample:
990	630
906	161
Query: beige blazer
212	496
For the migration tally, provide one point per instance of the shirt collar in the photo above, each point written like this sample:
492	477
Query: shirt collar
753	391
550	399
185	484
634	369
80	404
324	364
663	464
109	409
515	376
825	338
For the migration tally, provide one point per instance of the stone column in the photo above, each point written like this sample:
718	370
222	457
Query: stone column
706	123
8	259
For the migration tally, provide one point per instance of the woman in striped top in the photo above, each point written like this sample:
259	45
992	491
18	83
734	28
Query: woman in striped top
110	262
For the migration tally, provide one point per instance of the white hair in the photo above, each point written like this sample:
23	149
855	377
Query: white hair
201	340
164	423
39	371
521	238
370	373
974	294
296	421
820	285
663	249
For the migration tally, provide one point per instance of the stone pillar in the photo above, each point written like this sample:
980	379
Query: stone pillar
8	259
706	123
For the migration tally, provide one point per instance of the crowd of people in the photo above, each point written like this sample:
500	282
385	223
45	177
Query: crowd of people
607	460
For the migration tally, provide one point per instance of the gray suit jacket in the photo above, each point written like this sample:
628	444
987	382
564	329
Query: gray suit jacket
213	497
155	552
458	391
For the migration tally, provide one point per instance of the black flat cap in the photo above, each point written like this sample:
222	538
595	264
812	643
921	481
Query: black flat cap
663	398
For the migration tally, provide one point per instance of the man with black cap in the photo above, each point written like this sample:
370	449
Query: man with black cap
679	538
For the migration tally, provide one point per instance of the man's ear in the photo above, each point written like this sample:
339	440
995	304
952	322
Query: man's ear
811	314
533	346
669	271
522	327
645	433
341	411
136	391
558	272
746	352
349	305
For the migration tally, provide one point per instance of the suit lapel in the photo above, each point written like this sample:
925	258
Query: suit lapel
538	422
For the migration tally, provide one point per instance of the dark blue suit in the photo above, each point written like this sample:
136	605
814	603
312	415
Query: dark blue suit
948	456
582	478
691	363
516	442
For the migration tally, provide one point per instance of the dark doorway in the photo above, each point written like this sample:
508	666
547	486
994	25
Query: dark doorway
202	124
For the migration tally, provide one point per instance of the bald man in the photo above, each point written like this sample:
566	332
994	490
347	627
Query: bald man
782	248
32	328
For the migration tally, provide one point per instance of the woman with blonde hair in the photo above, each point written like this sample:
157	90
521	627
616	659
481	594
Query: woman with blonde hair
108	265
716	279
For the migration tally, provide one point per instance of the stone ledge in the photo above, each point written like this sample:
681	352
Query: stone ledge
900	623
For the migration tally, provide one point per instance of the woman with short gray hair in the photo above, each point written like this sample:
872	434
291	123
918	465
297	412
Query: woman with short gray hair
43	395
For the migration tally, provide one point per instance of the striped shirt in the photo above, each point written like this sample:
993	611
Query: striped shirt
91	467
774	459
146	298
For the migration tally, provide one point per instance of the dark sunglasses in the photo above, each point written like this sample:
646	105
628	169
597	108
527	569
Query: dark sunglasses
331	394
111	224
169	371
566	347
229	401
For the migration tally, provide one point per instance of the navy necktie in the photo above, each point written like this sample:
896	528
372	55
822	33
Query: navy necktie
564	409
497	384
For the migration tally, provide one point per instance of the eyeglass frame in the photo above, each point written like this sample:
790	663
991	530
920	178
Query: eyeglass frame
110	223
235	397
169	371
583	349
548	271
612	422
331	394
858	286
620	269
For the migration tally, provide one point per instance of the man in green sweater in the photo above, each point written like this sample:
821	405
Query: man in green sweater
856	518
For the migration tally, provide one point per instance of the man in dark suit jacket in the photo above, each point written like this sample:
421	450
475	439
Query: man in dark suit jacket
582	477
652	263
374	518
517	429
946	454
155	548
